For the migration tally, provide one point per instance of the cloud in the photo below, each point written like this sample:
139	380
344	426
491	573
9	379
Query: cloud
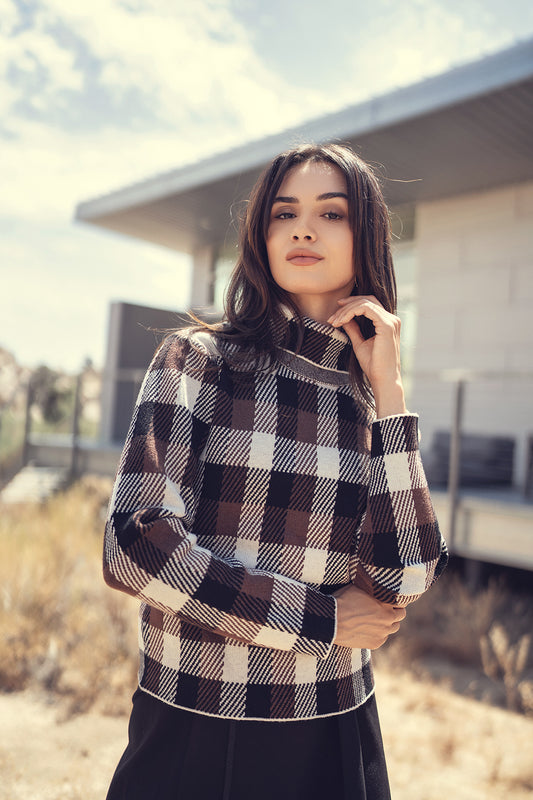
97	95
9	17
37	69
105	93
193	61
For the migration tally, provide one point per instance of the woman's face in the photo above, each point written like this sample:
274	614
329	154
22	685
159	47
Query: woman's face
309	239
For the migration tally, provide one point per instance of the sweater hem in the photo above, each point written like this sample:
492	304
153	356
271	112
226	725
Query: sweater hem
258	719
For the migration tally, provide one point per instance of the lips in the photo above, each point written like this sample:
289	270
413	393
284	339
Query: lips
303	258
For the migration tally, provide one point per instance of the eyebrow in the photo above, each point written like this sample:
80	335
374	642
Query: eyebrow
325	196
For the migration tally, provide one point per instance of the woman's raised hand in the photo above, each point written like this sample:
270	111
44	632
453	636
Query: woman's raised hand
378	356
363	621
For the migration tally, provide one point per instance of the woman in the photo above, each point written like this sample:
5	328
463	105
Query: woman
271	511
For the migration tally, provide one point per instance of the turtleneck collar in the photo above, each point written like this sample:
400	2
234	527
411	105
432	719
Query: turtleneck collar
322	344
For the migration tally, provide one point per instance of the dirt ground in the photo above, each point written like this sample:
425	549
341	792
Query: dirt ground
438	745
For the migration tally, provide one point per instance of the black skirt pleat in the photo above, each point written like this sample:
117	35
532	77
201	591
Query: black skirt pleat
174	754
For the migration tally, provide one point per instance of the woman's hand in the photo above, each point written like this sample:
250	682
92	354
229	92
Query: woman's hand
363	621
378	356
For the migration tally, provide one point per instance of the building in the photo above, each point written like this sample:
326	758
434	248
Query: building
457	151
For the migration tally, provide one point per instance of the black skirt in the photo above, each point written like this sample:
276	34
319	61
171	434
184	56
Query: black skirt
174	754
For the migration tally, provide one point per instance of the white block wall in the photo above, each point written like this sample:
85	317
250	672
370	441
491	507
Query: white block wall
475	311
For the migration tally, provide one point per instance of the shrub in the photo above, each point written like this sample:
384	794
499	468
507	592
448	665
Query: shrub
63	629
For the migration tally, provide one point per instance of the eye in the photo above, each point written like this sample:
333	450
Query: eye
333	215
284	215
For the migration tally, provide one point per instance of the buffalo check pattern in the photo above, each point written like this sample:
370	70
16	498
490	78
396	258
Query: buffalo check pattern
243	500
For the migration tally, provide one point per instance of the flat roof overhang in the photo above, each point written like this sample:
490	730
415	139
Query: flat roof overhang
466	130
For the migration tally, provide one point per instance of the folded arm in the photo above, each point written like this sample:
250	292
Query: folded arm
150	551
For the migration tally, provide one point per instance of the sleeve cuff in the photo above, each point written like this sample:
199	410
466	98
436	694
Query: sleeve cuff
395	434
395	416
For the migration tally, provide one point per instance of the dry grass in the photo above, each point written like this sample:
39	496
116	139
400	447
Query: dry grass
66	632
62	628
439	744
68	635
477	642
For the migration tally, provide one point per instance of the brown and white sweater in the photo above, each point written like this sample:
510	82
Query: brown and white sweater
241	504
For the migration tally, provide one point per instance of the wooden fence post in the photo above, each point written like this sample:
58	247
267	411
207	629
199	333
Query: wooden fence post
27	423
75	452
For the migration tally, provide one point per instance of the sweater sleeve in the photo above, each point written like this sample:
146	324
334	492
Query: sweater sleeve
150	550
400	550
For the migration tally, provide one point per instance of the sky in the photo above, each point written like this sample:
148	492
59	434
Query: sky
95	96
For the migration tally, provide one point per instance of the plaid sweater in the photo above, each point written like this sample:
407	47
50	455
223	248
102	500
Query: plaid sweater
241	503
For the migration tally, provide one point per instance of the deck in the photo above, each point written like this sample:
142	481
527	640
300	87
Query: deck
492	525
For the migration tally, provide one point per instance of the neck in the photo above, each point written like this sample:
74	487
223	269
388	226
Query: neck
319	307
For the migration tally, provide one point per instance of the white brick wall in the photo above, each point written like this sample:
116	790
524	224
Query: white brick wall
475	311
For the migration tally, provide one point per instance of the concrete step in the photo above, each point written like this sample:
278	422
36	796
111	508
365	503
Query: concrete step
34	484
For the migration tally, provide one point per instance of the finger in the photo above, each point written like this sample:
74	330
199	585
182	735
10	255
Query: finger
395	628
370	307
354	332
395	613
364	308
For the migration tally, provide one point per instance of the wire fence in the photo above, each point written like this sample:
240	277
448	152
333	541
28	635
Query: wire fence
481	480
46	405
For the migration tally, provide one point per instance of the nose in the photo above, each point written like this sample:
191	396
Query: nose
303	237
302	231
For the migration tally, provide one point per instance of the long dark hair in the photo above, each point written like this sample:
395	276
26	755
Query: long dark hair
254	321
